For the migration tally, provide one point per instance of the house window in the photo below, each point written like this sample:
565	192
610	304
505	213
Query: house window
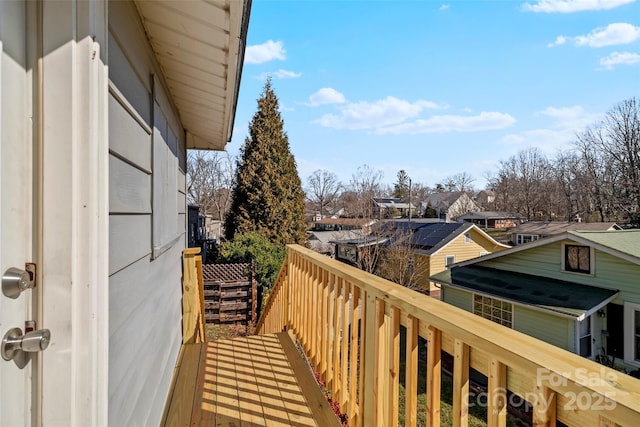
577	259
467	238
493	309
525	238
584	337
632	332
449	260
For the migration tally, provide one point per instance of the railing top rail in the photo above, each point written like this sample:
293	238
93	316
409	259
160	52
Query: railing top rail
520	350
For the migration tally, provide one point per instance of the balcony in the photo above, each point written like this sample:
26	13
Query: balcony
348	326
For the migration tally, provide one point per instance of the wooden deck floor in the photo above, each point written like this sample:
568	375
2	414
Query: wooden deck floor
251	381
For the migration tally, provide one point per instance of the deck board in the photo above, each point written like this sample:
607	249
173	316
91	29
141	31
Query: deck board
250	381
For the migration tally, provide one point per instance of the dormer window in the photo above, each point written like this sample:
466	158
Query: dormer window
577	259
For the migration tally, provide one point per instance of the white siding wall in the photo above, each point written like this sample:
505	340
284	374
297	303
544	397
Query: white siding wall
146	227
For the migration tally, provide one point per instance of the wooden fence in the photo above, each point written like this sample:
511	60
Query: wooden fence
348	323
230	301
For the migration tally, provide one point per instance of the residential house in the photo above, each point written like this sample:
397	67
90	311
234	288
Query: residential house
324	241
100	101
391	207
578	290
486	199
492	219
531	231
435	245
340	224
448	205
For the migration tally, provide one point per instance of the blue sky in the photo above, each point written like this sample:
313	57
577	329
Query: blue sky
436	88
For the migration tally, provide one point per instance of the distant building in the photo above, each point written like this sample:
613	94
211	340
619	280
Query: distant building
533	230
448	205
492	219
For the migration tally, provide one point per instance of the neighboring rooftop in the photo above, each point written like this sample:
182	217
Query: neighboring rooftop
624	241
567	298
490	215
549	228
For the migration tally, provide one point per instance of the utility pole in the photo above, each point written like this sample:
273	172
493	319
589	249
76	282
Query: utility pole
409	201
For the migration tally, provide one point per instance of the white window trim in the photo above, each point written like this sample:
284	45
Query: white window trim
590	319
513	311
449	264
467	238
592	259
629	333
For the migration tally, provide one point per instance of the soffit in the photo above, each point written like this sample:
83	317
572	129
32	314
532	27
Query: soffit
199	46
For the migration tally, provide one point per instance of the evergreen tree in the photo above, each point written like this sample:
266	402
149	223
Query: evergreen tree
267	196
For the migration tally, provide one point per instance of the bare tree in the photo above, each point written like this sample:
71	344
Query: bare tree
400	263
365	184
210	178
459	182
323	188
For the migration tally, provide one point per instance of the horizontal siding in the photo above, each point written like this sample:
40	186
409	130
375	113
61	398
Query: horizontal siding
145	336
146	175
546	327
129	189
127	138
129	240
546	261
457	297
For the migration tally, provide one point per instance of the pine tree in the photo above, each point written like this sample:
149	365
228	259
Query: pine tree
267	196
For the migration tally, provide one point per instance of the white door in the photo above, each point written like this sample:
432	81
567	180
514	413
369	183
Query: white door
17	219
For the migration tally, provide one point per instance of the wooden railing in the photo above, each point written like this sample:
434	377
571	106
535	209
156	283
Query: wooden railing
348	324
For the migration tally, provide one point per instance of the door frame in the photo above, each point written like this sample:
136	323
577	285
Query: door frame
73	214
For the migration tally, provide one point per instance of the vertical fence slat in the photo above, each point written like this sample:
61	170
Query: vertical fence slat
394	365
331	331
381	380
434	372
353	363
411	373
314	316
364	337
460	384
497	397
369	411
324	330
337	336
344	352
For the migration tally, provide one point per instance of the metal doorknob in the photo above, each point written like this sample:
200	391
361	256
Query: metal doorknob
15	281
14	342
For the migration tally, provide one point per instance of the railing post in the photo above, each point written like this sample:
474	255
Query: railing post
461	384
544	409
497	398
192	306
411	373
434	374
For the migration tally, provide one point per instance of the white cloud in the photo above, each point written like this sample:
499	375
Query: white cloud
265	52
450	123
444	7
612	34
570	6
619	58
324	96
569	117
559	41
374	115
280	74
561	131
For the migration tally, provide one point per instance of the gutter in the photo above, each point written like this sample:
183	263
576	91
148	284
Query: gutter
244	29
